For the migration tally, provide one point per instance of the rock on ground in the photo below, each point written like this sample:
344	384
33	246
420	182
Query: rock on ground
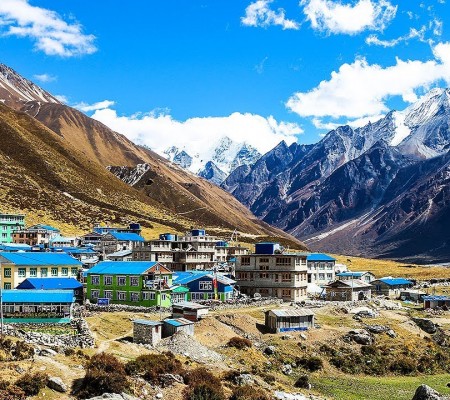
425	392
57	384
114	396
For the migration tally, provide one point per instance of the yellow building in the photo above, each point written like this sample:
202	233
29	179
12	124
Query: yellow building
16	267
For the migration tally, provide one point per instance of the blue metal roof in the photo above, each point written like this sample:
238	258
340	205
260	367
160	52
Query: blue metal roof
50	283
147	322
319	257
359	274
183	278
396	281
74	250
437	298
15	247
178	321
133	237
46	227
39	258
37	296
121	267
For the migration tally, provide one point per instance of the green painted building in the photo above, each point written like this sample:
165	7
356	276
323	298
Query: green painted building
8	224
134	283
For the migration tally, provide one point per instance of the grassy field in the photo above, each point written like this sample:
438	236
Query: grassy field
344	387
382	268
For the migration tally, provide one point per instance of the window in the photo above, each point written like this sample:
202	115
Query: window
145	295
7	273
7	286
286	293
264	275
245	260
54	271
121	281
163	297
135	296
64	271
44	272
74	271
108	294
22	272
134	281
95	280
285	277
205	285
264	267
107	280
197	296
94	294
33	272
264	260
152	295
283	261
121	296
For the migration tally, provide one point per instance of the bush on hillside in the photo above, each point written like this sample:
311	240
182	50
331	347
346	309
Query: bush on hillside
104	374
32	384
248	392
239	343
151	366
312	363
202	385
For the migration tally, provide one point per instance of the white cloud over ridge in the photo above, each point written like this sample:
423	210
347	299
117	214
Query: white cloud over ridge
196	135
335	17
93	107
51	33
45	78
260	14
360	89
413	34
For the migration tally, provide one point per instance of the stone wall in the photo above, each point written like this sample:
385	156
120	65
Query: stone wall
146	334
123	307
83	338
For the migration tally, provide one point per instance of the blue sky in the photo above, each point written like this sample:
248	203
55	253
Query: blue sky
189	72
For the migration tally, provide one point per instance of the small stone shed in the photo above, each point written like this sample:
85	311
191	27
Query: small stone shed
174	325
147	332
436	302
349	290
285	320
189	310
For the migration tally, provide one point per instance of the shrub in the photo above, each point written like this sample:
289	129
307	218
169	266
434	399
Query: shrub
200	375
239	343
104	374
151	366
248	392
32	384
310	363
302	382
12	392
23	351
403	365
204	391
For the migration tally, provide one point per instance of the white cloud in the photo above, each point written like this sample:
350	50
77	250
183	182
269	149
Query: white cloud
413	34
51	33
354	123
437	26
336	17
260	14
63	99
94	107
45	78
361	89
259	68
196	135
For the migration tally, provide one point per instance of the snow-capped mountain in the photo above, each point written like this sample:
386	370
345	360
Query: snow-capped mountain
357	191
16	90
216	163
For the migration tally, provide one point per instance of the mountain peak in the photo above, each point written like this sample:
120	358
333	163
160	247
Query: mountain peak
15	90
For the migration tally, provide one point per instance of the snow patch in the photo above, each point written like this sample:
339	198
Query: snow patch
401	130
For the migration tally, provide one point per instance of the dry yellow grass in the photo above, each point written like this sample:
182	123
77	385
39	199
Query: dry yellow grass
382	268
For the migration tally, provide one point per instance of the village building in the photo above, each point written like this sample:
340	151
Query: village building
8	224
321	268
283	320
115	241
159	250
189	310
363	276
174	325
18	266
63	241
435	301
71	284
131	228
121	255
390	287
140	283
37	305
205	285
271	272
147	332
92	239
348	290
14	247
414	295
36	235
86	255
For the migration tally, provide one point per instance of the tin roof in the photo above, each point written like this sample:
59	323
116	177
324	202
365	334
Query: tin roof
189	305
300	312
37	296
147	322
124	236
40	259
437	298
178	322
395	281
319	257
122	267
50	283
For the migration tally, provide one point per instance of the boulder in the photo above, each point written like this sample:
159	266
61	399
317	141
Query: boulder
56	383
286	337
244	379
286	369
364	339
377	328
426	325
424	392
391	333
170	379
269	350
47	352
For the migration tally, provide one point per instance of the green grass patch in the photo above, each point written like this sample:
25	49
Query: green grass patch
377	388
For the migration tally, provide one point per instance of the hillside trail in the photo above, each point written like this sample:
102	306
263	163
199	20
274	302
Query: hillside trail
104	344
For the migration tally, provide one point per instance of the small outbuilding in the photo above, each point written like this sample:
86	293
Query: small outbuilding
146	331
412	295
174	325
348	290
190	311
284	320
436	302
